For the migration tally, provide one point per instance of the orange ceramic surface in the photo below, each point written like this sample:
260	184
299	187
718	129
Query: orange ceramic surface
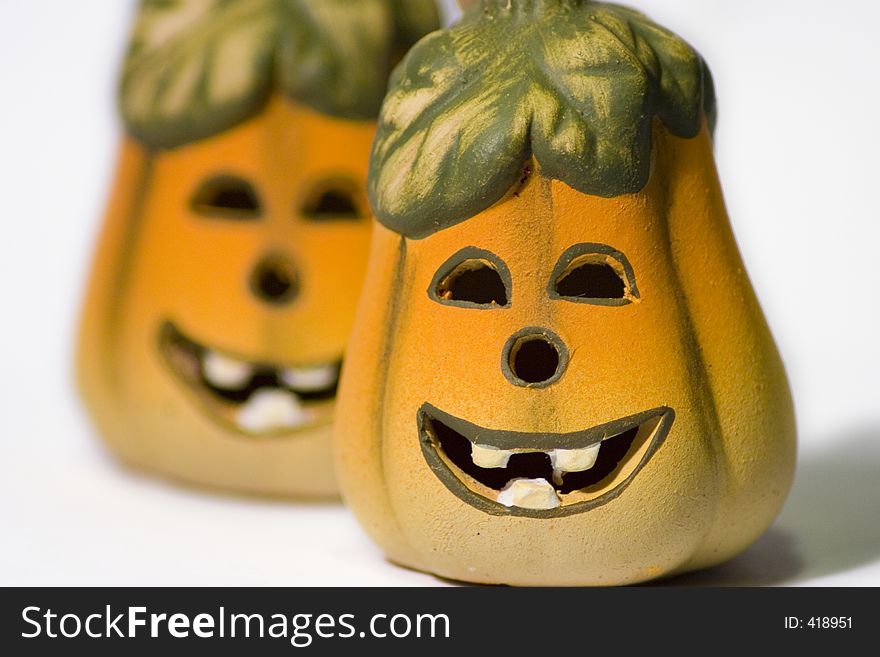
702	478
175	280
225	280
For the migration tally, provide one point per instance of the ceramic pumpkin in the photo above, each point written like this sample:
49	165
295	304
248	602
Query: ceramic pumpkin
225	281
559	372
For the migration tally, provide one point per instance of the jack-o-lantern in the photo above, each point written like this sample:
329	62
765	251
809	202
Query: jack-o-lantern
559	372
235	244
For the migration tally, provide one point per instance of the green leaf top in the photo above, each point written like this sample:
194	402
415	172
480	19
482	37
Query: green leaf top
573	83
197	67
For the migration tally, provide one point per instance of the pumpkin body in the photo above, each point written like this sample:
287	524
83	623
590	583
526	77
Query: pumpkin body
248	248
687	354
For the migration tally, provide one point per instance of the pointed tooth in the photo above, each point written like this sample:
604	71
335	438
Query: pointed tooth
270	409
309	379
486	456
529	494
225	372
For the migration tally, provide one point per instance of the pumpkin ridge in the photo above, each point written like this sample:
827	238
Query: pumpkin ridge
701	392
387	353
126	255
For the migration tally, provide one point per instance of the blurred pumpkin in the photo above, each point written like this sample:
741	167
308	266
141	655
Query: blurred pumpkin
225	280
559	372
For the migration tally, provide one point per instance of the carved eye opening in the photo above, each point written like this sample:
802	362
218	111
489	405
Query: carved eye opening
595	274
332	200
226	197
472	278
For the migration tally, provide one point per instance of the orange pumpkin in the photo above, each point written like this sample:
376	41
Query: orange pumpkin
559	372
225	280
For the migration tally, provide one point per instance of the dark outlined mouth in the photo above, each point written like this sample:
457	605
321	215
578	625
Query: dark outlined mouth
253	398
539	475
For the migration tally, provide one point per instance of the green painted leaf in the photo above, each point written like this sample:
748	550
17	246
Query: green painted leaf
197	67
573	83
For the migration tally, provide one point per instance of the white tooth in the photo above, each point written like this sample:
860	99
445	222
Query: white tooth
529	494
309	379
490	457
269	409
575	460
225	372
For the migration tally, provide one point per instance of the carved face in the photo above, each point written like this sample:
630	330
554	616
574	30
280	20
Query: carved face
222	298
553	428
546	408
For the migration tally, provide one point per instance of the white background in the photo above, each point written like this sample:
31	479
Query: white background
797	148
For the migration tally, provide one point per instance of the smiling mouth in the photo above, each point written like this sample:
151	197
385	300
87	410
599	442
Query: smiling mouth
251	397
539	475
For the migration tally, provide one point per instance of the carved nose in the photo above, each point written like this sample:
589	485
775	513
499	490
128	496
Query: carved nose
275	280
534	358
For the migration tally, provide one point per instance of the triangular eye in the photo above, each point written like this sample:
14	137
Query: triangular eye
226	197
332	201
594	273
592	280
472	278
